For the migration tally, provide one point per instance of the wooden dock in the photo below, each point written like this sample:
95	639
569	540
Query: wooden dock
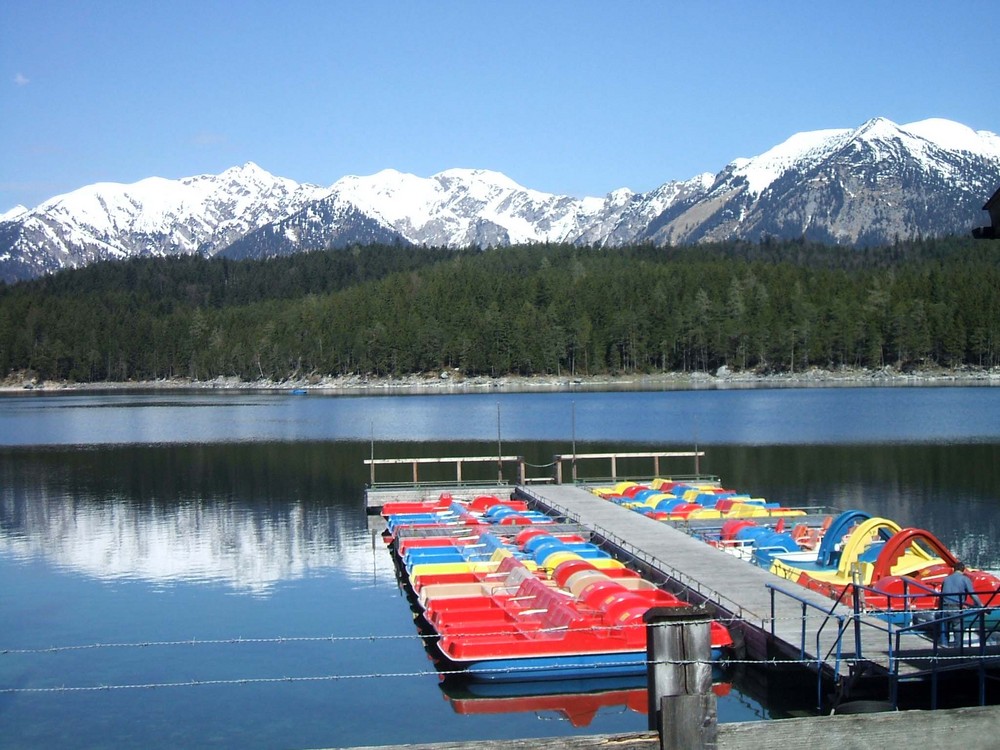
804	628
774	618
959	727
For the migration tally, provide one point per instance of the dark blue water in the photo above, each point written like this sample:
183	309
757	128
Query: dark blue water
226	532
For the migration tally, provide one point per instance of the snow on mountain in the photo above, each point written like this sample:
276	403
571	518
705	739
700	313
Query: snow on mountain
13	214
809	148
154	216
328	223
195	211
628	215
461	208
954	136
466	206
866	185
801	148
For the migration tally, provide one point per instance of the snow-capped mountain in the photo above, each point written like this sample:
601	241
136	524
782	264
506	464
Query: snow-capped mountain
468	207
457	208
867	185
155	216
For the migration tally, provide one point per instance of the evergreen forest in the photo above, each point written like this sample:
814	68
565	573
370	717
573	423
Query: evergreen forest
390	310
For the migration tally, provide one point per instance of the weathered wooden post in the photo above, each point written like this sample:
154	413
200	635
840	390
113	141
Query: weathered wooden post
679	673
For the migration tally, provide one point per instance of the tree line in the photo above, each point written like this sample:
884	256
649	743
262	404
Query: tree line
772	306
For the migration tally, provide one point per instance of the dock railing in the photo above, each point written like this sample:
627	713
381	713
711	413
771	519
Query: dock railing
937	623
897	616
558	462
828	614
970	622
574	458
458	461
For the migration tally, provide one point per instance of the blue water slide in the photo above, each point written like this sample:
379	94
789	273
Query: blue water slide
828	555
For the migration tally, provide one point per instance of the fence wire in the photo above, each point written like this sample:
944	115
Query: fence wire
240	640
438	673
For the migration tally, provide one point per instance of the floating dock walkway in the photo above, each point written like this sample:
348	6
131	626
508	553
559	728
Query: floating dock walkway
775	618
800	626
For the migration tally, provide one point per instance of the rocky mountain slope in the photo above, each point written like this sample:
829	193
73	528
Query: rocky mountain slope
865	186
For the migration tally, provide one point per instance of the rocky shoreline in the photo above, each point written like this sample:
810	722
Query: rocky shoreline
454	382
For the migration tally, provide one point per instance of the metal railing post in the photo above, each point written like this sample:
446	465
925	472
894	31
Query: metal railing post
679	676
857	622
802	646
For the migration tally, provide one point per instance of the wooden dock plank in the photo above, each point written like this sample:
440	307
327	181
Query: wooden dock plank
958	727
635	741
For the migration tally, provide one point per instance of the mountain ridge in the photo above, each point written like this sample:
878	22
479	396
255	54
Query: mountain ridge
854	186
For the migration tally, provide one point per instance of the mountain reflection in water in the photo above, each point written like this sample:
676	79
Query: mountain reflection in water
229	542
181	514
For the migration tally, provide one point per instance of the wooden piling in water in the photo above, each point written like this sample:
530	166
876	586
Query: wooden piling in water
681	703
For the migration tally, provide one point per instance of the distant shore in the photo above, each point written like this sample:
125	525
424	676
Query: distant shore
453	382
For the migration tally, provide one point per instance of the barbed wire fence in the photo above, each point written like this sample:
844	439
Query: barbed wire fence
634	660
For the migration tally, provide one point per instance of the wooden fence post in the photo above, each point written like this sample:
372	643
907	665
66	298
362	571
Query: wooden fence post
679	673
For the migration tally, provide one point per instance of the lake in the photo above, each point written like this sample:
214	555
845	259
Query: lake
196	568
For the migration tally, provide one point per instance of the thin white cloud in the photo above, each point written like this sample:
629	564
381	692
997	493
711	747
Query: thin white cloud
21	80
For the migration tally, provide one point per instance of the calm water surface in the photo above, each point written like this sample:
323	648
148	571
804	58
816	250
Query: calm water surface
779	416
227	532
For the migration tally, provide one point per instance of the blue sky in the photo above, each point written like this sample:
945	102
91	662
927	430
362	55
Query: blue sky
575	98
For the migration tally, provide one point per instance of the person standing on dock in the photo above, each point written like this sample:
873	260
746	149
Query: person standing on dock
955	587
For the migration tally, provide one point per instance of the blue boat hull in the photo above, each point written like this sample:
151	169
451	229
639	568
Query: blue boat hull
576	667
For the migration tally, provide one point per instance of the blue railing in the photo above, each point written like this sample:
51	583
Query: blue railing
828	615
983	622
